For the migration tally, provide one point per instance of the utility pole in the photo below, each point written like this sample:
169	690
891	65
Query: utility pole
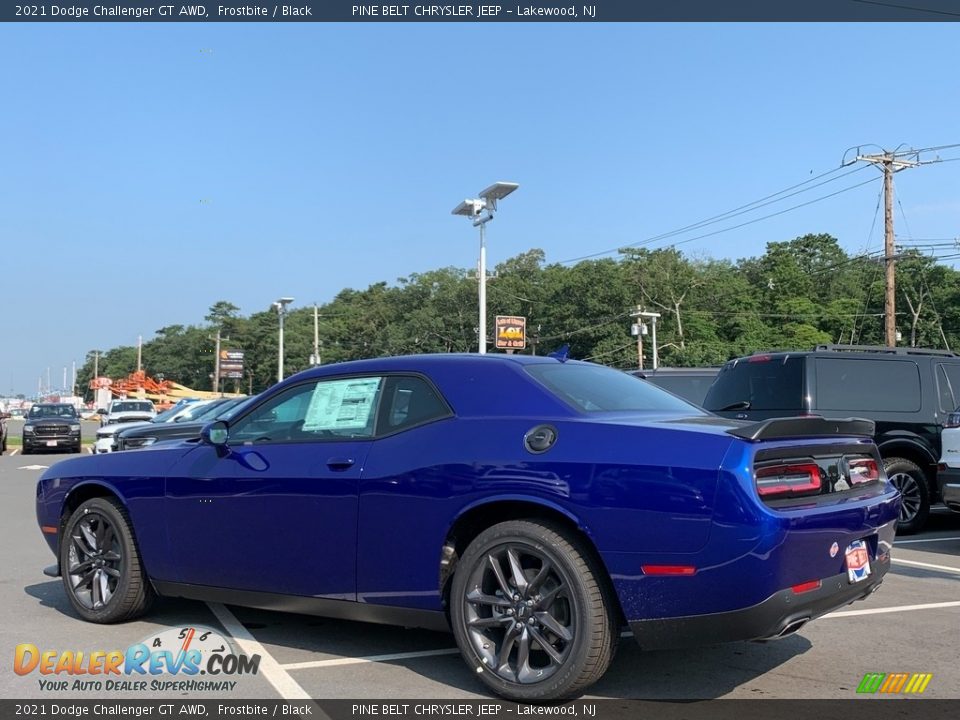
639	329
889	163
216	363
315	358
139	353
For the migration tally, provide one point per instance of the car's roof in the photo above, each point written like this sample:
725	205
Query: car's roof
872	352
474	384
428	361
677	371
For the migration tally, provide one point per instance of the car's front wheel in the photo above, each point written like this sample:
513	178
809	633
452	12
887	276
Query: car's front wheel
910	480
100	564
530	612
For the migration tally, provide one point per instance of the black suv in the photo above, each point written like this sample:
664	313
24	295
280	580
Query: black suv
907	392
50	426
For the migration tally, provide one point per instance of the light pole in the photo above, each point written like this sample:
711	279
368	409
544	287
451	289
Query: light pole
281	306
474	209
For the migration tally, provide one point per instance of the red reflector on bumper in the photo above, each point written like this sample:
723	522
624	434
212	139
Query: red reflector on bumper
668	569
806	587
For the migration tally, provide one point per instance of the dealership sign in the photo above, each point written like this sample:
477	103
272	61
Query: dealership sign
511	332
231	363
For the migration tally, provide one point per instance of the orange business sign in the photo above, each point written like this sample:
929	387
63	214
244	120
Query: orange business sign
511	332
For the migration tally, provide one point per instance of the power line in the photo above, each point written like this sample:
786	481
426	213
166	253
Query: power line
767	217
742	209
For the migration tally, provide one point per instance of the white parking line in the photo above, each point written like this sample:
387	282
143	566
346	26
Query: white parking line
13	452
899	608
369	659
270	669
924	540
914	563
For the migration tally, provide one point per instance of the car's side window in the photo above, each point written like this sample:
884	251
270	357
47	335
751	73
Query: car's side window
408	401
334	409
949	386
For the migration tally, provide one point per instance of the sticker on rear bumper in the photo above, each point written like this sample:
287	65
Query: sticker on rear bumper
858	561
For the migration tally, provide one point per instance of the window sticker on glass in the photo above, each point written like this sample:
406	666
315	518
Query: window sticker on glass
341	404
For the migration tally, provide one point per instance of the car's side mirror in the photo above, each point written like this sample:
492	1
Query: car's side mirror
101	411
215	434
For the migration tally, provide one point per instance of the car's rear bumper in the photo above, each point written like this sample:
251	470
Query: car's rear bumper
949	481
782	614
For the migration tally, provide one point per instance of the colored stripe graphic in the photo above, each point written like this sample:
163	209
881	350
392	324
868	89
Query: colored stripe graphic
893	683
871	682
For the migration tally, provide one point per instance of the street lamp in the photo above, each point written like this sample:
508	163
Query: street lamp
474	209
281	306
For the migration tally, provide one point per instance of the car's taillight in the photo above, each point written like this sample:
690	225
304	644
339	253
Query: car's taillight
863	471
953	420
792	480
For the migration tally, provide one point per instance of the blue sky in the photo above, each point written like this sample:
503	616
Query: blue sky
149	171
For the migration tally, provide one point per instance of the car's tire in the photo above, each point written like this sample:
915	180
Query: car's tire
100	564
532	635
911	481
25	450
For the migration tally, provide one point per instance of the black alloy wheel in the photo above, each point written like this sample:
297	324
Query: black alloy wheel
100	563
910	480
529	612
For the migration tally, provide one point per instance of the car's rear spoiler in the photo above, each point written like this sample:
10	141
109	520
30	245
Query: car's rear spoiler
804	427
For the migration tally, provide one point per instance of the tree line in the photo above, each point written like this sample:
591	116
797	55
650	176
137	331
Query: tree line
798	294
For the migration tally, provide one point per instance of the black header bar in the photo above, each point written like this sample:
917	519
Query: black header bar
489	11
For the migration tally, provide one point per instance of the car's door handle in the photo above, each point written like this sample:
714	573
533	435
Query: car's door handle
340	463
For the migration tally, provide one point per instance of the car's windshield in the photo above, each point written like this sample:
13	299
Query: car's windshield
235	409
50	411
760	382
167	414
595	388
220	408
132	407
192	412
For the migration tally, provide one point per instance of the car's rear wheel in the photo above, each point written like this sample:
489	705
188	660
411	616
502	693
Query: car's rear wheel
530	613
100	563
910	480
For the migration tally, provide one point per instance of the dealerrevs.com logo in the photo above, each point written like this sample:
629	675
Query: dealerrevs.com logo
152	664
894	683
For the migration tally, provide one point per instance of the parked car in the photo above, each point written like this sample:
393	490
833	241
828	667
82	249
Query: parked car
689	383
121	411
948	470
107	434
907	392
3	431
187	426
51	426
537	504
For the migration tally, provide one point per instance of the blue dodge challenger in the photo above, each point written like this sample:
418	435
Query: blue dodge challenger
533	505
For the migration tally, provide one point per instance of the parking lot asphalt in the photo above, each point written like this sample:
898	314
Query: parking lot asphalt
910	625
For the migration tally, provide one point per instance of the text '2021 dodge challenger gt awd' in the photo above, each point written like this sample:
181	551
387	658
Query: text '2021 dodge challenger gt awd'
535	506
